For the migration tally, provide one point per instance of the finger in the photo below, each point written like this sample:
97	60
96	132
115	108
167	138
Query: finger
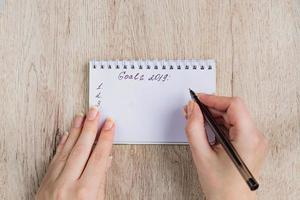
238	115
232	133
52	165
62	142
184	112
195	131
64	150
221	121
219	103
81	150
216	113
72	138
99	160
234	108
218	148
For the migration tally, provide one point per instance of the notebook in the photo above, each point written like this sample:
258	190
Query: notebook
146	97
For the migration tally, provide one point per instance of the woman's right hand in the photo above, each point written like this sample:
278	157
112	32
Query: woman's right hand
217	174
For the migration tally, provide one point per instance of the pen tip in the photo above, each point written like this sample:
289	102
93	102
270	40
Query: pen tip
191	93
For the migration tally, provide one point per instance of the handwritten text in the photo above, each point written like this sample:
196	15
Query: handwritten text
141	77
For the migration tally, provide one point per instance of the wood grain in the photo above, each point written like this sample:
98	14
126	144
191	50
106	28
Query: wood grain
45	46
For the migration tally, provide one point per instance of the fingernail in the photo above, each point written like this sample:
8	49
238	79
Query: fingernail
109	122
78	120
91	115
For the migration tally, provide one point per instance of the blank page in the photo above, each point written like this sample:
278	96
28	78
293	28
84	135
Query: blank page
146	98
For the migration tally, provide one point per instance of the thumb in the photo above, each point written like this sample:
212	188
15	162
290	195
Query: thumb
195	130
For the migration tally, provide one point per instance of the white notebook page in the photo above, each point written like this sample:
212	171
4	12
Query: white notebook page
145	98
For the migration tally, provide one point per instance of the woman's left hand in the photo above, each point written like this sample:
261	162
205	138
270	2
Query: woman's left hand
78	169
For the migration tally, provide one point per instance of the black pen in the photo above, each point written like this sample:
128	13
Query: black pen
224	141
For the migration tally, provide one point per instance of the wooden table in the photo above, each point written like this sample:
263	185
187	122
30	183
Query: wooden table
45	46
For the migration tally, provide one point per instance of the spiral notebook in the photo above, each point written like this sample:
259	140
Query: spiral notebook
146	97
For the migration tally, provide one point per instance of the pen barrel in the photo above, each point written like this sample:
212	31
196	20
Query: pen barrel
233	154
